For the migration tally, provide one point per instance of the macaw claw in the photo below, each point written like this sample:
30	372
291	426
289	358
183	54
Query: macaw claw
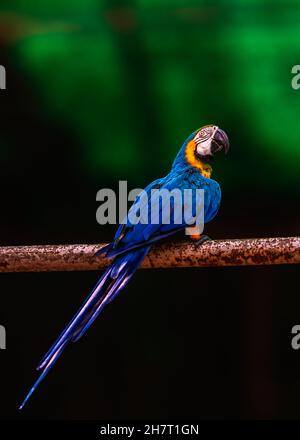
202	240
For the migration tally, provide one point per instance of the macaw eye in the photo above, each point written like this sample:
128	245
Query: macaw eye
204	134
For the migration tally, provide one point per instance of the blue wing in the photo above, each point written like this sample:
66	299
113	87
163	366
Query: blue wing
132	236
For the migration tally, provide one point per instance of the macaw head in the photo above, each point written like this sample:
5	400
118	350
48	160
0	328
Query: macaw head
208	141
200	147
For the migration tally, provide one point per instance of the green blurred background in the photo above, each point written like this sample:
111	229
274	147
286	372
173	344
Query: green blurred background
102	91
129	80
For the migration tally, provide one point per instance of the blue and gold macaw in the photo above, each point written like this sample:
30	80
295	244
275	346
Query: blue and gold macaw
191	169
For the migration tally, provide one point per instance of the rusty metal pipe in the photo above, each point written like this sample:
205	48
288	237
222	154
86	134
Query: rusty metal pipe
216	253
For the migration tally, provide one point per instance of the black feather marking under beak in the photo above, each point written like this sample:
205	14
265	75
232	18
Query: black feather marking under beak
220	142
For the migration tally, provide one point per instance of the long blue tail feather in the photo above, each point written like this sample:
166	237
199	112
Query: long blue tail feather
98	309
73	324
119	283
108	287
43	374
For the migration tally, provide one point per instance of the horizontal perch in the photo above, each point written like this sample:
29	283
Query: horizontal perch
246	252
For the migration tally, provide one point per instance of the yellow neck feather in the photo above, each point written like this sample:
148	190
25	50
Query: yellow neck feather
205	169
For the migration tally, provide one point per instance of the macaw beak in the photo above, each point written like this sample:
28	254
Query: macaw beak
220	142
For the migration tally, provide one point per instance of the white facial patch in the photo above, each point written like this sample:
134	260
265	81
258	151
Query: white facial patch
204	148
204	138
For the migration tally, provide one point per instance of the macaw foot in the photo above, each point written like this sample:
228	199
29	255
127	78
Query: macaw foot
202	239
